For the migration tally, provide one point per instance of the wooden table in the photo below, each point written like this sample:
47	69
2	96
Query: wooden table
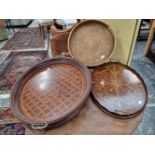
93	121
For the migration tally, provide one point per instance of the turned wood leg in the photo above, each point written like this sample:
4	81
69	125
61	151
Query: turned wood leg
42	31
150	39
41	28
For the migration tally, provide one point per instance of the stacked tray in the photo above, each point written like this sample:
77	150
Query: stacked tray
119	90
116	88
54	91
92	42
51	93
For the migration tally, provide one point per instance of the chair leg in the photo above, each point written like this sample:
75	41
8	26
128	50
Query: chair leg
9	23
41	28
150	39
43	32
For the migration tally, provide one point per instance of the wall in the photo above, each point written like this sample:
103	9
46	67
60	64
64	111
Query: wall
126	31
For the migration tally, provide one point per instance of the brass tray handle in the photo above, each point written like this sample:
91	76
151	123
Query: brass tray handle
122	112
63	54
39	126
66	54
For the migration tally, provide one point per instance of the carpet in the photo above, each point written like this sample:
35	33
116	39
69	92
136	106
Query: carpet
17	64
12	129
27	38
4	59
9	124
6	117
3	55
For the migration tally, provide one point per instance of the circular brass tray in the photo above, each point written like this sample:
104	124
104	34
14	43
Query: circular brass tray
119	90
51	92
92	42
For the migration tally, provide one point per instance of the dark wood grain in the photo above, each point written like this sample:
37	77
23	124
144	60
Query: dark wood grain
119	90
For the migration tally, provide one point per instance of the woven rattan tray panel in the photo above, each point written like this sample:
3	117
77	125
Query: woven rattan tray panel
51	91
91	42
119	90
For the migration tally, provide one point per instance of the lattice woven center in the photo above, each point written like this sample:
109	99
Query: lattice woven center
52	93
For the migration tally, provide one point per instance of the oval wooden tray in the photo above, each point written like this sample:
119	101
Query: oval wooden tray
118	90
92	42
51	92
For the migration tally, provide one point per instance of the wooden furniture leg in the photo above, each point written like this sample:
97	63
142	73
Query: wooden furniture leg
41	28
150	38
8	23
43	32
150	24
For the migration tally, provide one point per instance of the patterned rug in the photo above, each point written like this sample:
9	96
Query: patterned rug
27	38
12	129
9	124
17	64
6	117
3	55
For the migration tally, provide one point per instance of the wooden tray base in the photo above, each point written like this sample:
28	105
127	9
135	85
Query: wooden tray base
93	121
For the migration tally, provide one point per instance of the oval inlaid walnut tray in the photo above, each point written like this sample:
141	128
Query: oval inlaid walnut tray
119	90
51	92
92	42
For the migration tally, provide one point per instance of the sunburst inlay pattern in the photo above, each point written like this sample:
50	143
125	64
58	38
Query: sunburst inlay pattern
118	89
